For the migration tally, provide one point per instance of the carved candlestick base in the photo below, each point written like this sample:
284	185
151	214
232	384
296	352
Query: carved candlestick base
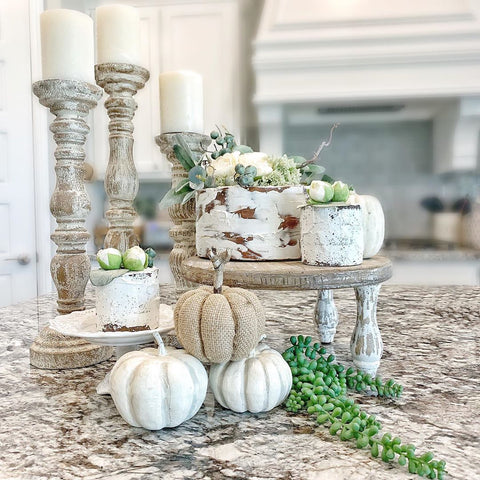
70	101
121	82
183	216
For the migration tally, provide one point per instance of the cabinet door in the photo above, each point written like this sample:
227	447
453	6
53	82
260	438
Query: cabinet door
204	37
18	271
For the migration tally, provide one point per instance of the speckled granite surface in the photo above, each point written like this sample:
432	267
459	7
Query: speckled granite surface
426	255
54	425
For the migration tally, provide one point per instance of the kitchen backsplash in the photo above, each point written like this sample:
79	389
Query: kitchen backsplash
393	161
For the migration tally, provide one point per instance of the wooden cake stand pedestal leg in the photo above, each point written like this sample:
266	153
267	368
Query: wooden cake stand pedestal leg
182	216
326	316
366	344
70	101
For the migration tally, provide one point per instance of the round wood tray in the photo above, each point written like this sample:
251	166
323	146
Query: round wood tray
290	275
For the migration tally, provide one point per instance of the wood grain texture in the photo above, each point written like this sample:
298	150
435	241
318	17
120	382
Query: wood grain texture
70	101
183	216
121	82
290	275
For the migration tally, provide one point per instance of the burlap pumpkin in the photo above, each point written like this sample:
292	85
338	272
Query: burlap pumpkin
218	325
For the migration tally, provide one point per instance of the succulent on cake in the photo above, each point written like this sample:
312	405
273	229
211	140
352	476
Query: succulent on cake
341	191
151	253
134	259
227	163
109	258
320	192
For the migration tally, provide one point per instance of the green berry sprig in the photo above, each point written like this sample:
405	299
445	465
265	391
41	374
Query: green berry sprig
320	387
224	142
245	176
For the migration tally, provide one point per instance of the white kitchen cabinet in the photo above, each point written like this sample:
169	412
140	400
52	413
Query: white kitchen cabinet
198	35
456	130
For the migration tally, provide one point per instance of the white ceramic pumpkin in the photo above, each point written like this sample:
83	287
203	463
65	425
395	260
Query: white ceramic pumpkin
373	223
156	388
254	384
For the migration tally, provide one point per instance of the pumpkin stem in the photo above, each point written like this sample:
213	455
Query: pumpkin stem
161	345
218	261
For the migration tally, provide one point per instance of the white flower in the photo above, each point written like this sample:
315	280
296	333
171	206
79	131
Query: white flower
259	160
225	165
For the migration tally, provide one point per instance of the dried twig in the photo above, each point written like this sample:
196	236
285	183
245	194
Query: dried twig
321	147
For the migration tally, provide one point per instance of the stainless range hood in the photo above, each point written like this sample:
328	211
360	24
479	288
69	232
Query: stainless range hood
343	56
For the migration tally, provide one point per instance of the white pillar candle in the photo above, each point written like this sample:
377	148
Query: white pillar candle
67	45
181	102
118	34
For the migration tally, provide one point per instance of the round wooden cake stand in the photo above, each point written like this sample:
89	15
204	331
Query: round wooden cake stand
366	343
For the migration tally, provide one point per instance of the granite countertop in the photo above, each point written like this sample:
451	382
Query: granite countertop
432	255
54	425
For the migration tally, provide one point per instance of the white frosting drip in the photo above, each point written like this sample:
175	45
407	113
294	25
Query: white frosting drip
129	301
265	236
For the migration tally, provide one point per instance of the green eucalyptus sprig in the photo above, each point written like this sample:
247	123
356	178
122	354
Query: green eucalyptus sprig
320	387
200	173
224	142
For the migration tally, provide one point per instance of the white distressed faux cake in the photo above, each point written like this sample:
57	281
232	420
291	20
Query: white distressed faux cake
254	223
332	234
129	302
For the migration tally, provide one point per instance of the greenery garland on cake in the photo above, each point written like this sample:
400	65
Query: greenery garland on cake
228	163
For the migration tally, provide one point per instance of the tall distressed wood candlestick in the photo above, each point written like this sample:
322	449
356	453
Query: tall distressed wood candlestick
183	216
121	81
70	101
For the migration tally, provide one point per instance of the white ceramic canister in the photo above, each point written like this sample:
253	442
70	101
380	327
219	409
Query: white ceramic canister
331	234
447	227
129	301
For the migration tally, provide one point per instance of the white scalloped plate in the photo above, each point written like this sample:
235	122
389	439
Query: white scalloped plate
83	325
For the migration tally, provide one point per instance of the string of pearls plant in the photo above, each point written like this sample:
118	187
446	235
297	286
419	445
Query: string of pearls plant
320	388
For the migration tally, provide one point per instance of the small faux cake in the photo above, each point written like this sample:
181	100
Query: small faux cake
254	223
332	235
129	302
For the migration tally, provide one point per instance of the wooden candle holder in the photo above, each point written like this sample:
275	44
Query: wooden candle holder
121	82
183	216
70	101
